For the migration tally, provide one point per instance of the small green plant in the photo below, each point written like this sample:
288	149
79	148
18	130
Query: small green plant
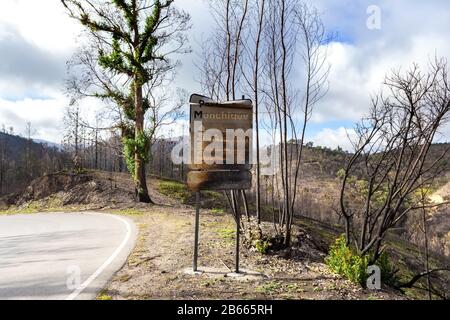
269	287
262	246
343	261
217	211
227	234
104	297
213	195
388	272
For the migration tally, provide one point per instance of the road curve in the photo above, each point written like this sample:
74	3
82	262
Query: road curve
61	256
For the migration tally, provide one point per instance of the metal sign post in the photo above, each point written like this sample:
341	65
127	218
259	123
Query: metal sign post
197	222
238	229
213	122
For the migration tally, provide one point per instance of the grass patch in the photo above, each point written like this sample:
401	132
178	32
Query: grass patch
129	212
52	204
218	211
212	195
210	283
175	190
269	287
294	288
14	211
104	297
319	230
227	234
408	263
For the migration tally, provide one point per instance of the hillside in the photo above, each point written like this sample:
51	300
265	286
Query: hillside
319	189
22	160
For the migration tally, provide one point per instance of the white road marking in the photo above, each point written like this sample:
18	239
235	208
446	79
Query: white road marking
99	271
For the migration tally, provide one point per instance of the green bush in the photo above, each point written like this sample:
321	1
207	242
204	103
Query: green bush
262	246
343	261
387	269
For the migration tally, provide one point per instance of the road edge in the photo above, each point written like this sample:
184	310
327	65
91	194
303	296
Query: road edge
103	274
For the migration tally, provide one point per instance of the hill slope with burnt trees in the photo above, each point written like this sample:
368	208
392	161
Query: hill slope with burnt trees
22	160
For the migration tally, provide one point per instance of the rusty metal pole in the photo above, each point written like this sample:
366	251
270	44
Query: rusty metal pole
238	228
197	222
238	234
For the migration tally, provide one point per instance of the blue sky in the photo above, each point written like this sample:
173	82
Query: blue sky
37	38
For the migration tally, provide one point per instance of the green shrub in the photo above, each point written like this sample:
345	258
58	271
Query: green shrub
387	269
262	246
343	261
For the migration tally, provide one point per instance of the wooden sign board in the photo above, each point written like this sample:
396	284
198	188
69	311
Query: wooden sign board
221	144
219	180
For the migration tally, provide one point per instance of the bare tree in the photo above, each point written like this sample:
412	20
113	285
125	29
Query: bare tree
135	41
282	35
222	55
164	111
4	159
249	32
72	134
254	55
313	42
392	152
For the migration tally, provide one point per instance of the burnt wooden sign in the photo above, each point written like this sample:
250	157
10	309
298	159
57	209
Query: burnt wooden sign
221	144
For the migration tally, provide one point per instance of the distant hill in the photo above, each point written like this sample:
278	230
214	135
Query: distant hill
321	162
17	145
22	160
49	144
318	193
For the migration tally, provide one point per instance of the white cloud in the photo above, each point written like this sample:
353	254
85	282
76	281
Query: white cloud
348	94
411	32
43	23
44	116
358	72
26	69
333	139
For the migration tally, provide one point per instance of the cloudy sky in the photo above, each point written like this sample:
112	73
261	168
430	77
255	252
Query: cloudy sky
37	38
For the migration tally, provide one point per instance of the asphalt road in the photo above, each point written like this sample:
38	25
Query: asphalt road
61	256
